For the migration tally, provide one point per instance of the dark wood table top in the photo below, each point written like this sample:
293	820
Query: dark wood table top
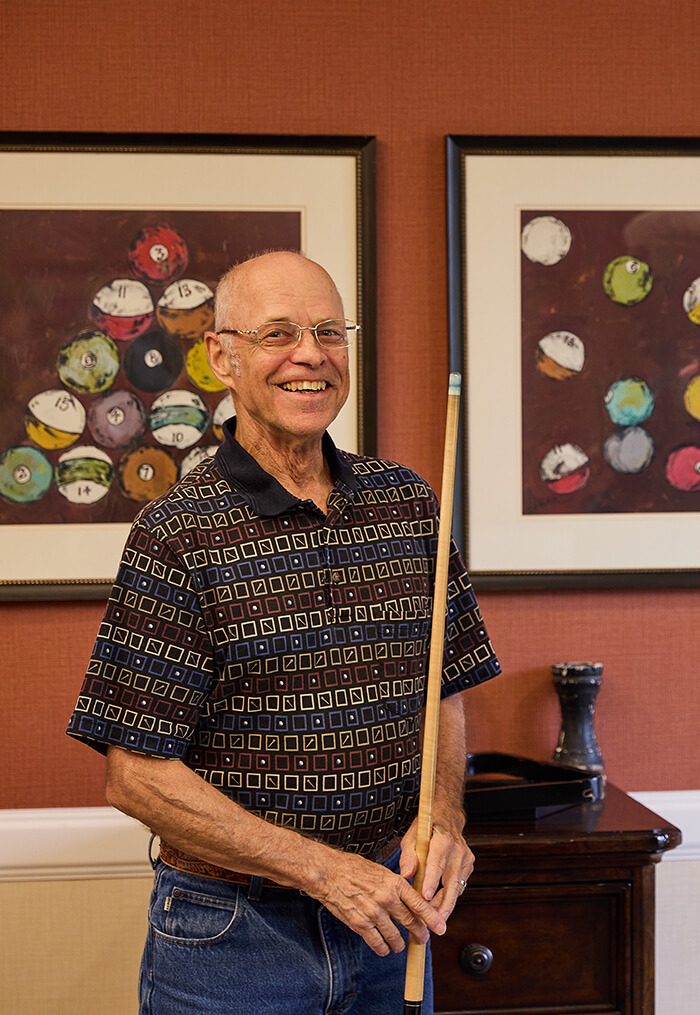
617	823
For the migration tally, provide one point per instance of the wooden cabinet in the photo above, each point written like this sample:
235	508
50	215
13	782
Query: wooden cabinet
558	917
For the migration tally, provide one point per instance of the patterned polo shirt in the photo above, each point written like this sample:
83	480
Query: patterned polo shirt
280	652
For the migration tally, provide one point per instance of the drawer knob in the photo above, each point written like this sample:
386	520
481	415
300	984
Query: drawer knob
476	959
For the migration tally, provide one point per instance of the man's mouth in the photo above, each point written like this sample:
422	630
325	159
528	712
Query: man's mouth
304	386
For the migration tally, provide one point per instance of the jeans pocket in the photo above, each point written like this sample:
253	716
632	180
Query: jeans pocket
194	918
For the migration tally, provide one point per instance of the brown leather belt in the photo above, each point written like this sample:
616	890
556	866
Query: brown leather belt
192	865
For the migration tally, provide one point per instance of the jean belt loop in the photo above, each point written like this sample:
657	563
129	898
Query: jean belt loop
153	861
255	890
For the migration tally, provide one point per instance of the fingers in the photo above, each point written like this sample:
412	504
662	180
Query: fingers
408	860
374	902
450	862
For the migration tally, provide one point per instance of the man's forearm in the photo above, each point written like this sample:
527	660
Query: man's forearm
451	766
191	815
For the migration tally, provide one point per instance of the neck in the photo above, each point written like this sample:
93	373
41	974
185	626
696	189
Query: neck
296	463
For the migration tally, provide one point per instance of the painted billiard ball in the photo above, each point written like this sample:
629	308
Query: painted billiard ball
158	254
224	410
89	362
194	457
84	474
153	361
123	309
691	301
627	280
683	468
565	468
145	473
116	419
25	474
198	369
178	418
560	354
629	450
54	419
629	401
691	397
545	240
186	308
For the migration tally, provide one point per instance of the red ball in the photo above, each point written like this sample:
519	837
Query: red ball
158	254
683	468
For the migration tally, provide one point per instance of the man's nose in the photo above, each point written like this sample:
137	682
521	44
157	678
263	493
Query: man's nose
308	344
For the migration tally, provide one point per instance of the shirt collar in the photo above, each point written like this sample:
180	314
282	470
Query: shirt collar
265	495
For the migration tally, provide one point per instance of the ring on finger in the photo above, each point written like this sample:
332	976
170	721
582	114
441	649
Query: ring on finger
462	883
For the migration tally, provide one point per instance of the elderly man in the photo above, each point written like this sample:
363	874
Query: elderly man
257	686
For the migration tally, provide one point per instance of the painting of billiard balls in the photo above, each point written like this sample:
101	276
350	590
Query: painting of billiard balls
610	368
106	395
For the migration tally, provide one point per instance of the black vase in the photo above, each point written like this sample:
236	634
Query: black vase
577	685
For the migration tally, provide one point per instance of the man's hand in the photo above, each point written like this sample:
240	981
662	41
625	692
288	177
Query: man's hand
372	900
450	861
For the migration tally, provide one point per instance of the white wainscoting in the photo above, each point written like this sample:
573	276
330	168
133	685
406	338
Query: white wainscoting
93	843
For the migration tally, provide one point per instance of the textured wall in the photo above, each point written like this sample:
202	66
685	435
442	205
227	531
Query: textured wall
408	72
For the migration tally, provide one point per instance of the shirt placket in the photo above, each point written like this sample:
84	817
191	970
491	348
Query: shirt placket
331	575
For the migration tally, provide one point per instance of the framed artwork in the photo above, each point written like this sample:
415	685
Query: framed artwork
110	250
574	270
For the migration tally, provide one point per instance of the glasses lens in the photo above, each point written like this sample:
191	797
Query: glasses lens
278	335
333	334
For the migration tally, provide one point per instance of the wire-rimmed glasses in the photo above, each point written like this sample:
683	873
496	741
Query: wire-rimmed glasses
279	336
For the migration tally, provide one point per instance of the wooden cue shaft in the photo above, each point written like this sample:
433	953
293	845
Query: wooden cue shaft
415	959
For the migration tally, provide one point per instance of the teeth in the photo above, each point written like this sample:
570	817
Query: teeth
304	386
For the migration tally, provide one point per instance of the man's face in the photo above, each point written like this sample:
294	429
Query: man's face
281	395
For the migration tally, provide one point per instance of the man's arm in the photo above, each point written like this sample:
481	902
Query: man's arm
194	816
450	859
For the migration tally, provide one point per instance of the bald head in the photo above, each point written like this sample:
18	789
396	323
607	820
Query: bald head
280	271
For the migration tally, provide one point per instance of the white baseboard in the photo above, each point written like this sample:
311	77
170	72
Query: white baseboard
75	843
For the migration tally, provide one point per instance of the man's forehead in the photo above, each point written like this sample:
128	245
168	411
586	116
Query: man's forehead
280	287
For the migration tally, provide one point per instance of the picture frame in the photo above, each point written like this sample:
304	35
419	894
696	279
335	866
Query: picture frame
550	492
69	205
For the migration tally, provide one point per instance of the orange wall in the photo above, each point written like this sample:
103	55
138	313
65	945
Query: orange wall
408	72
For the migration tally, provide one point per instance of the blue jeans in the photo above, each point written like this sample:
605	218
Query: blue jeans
212	950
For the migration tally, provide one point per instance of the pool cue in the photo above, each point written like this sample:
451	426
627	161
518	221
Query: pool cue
415	959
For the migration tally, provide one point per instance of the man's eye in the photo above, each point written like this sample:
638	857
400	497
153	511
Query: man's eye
278	332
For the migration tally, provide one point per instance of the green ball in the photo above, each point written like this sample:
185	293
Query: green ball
627	280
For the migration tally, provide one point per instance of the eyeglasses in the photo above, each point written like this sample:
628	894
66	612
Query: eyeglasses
278	336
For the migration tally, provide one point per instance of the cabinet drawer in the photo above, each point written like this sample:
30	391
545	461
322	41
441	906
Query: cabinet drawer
536	950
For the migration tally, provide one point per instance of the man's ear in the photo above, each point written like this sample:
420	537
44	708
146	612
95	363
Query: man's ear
219	359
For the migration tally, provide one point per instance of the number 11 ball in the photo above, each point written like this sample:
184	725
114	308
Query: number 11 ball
123	309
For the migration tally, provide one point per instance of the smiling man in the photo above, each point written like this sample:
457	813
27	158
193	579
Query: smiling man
258	680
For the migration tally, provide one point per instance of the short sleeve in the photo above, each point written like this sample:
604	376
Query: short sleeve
469	658
152	666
